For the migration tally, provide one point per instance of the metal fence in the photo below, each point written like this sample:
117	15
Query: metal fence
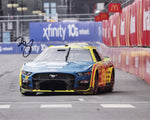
14	26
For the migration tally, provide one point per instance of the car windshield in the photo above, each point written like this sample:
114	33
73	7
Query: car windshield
65	54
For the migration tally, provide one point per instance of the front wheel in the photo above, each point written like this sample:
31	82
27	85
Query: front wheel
28	93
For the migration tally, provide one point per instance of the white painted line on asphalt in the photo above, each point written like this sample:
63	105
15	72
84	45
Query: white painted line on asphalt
4	106
56	106
81	99
117	106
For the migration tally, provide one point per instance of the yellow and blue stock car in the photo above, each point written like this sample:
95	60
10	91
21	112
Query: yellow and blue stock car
68	68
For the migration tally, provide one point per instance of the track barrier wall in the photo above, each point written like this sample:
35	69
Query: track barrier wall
129	28
127	34
133	60
37	47
11	48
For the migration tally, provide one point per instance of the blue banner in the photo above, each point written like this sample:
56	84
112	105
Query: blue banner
66	31
37	47
8	48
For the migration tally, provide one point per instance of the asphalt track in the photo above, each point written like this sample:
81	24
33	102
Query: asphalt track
130	99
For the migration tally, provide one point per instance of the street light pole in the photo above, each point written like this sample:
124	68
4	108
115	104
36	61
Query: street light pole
68	7
36	10
12	5
22	8
1	11
42	13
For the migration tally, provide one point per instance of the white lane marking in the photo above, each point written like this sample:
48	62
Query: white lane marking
81	99
56	106
117	106
4	106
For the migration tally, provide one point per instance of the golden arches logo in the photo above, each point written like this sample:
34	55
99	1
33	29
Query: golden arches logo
97	18
114	7
104	16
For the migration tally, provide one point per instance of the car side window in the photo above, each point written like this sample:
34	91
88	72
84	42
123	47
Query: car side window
98	58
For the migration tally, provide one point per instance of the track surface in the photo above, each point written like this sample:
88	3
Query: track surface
130	99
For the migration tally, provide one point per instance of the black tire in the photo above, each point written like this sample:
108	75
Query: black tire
95	90
28	93
101	89
111	87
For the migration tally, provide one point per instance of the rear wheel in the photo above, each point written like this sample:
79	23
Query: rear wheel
95	91
111	87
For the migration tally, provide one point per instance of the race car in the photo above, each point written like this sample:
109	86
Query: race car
68	68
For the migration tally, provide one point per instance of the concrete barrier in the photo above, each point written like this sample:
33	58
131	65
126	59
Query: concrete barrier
133	60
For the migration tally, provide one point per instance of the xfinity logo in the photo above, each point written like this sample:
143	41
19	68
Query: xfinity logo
54	32
52	75
61	32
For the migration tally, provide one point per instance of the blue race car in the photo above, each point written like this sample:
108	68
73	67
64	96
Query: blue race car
68	68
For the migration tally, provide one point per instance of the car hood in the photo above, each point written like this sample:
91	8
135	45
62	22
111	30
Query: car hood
69	67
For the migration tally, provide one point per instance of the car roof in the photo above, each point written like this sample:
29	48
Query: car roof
74	45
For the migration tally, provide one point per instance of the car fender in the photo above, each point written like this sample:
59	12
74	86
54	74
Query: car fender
104	73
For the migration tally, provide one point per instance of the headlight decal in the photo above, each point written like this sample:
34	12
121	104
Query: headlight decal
84	73
82	78
26	73
26	81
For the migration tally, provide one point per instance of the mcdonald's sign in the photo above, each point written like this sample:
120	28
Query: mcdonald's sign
104	16
114	7
97	18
